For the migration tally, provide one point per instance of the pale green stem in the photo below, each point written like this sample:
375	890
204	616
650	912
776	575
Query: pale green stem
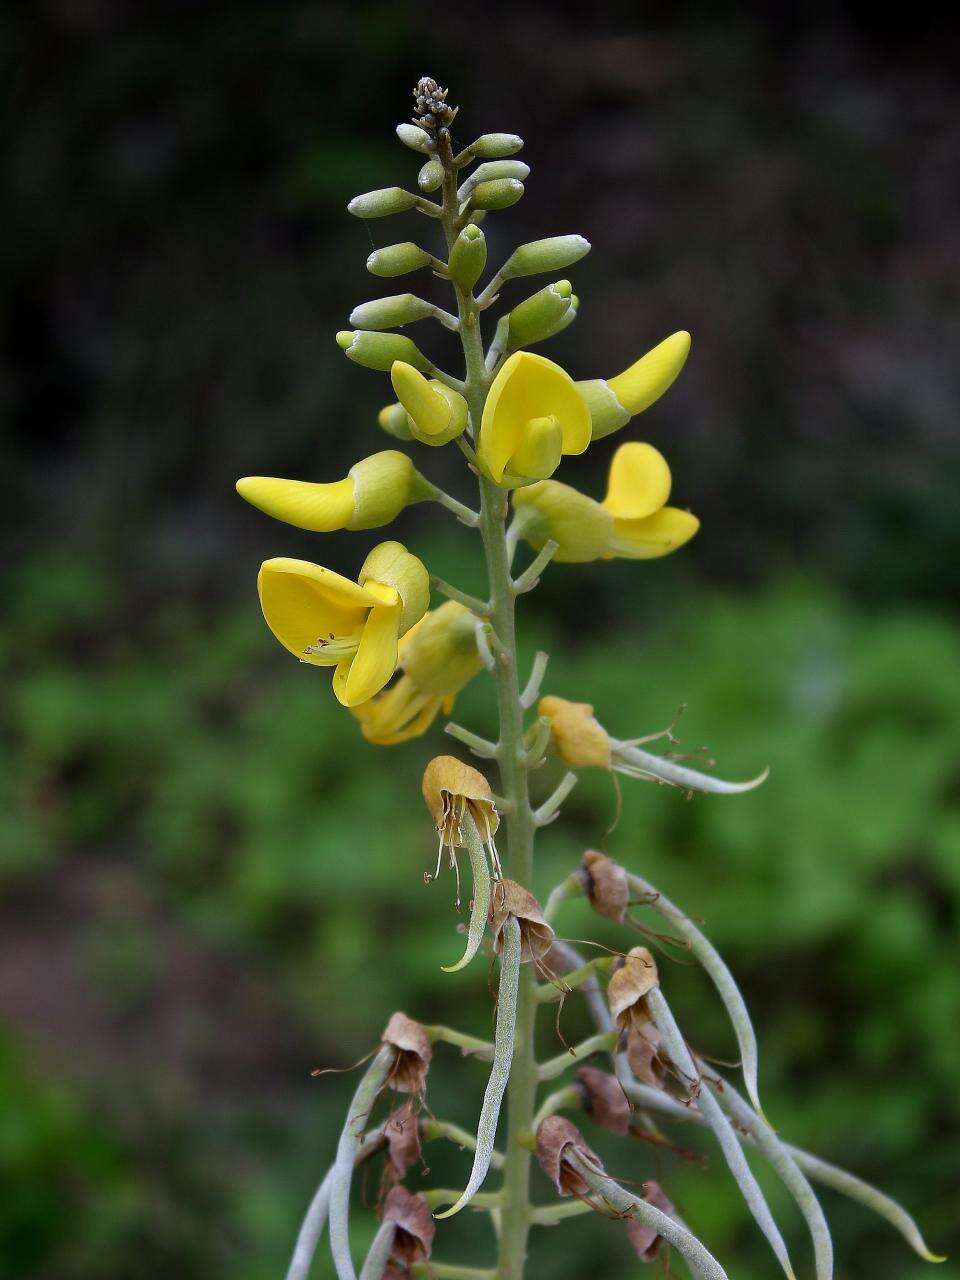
481	1049
466	515
564	1099
437	1196
378	1255
604	1042
482	747
549	811
480	607
550	992
432	1129
531	690
571	887
531	575
515	1216
549	1215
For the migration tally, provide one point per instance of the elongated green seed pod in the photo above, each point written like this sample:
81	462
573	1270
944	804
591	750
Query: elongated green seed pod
701	1262
718	973
635	763
790	1175
481	895
676	1048
341	1175
378	1255
500	1071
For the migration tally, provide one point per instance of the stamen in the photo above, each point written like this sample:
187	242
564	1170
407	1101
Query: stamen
334	649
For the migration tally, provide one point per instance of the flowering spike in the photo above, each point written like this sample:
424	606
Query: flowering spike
480	903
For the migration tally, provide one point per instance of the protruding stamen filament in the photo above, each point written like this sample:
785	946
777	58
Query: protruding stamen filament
334	649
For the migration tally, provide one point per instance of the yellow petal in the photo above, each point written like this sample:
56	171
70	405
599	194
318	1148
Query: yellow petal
529	387
538	454
304	603
665	531
375	660
425	405
318	507
646	381
639	482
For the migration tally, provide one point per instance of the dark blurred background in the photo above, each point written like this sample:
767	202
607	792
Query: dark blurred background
210	883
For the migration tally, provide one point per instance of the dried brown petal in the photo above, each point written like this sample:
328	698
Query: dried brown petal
604	1099
415	1226
645	1239
555	1137
629	984
414	1051
402	1132
536	936
447	780
643	1050
576	736
606	883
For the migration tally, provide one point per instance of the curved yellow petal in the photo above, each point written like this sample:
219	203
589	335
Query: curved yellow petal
375	660
646	380
426	406
665	531
639	482
529	387
538	454
304	604
322	508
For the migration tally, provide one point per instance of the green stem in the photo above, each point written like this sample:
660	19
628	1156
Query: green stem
521	828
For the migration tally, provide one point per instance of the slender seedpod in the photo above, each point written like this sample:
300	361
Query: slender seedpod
398	259
553	254
378	1255
468	257
500	193
502	1059
675	1046
390	313
415	138
480	902
382	203
380	351
645	1239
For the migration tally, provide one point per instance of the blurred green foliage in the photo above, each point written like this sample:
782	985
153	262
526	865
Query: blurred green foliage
215	884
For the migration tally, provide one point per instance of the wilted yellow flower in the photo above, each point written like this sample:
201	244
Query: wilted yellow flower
328	621
374	492
580	741
632	522
453	791
533	414
614	401
437	657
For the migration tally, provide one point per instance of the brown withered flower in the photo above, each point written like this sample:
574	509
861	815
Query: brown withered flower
453	792
402	1132
556	1137
414	1052
606	884
603	1099
413	1241
643	1054
645	1240
536	936
636	975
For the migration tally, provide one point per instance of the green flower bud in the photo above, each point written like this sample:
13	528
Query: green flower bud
494	169
390	313
392	419
380	350
538	316
468	257
441	655
398	259
430	176
607	414
553	254
378	204
415	138
494	146
501	193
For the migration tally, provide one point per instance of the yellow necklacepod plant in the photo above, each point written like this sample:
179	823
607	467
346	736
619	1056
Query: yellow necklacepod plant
398	664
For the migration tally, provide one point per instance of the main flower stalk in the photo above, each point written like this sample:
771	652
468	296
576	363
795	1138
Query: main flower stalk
521	828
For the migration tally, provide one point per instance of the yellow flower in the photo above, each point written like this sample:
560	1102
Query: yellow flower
614	401
533	414
328	621
373	493
435	414
437	658
632	522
